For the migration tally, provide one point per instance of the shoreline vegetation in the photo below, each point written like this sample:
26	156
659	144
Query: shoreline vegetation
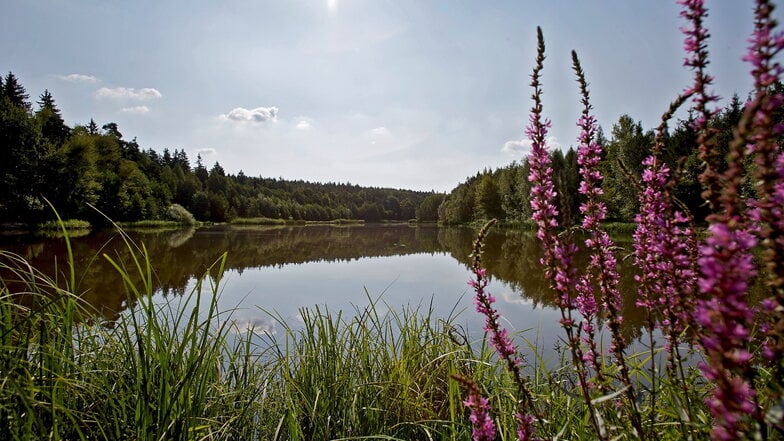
78	226
186	370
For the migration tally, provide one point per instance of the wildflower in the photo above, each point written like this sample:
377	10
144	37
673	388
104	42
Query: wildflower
664	250
726	265
768	210
483	426
525	427
499	337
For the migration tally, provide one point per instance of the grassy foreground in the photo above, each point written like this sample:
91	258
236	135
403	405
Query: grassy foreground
188	372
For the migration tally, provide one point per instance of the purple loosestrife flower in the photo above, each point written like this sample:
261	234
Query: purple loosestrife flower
594	211
557	256
602	271
525	428
726	266
483	426
725	261
664	250
696	47
768	210
499	336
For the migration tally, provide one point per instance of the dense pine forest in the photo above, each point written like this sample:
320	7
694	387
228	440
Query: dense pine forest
92	172
78	168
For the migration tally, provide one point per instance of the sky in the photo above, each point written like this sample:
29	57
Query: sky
415	94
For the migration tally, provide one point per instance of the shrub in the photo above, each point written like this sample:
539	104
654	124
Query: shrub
178	213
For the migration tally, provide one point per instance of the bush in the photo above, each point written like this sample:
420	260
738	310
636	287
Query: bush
178	213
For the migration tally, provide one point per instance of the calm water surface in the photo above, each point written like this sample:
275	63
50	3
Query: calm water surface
284	269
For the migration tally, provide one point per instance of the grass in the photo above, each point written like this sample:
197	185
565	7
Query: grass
152	224
70	225
185	371
271	221
258	221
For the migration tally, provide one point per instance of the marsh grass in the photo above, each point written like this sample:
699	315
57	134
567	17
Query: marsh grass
372	373
70	225
275	221
155	224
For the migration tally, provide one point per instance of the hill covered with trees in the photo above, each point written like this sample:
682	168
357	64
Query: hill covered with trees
77	168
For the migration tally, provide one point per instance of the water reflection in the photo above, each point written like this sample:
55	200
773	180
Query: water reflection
284	268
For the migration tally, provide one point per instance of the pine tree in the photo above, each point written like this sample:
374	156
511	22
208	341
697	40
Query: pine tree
92	127
15	92
53	127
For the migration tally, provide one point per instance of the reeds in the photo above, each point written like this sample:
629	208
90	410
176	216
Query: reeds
182	370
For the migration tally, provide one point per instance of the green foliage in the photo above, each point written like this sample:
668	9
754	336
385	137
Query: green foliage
475	199
71	224
179	214
371	374
488	198
427	211
504	193
622	168
22	152
97	167
459	205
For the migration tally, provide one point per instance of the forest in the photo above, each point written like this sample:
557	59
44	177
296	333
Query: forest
505	193
100	175
93	173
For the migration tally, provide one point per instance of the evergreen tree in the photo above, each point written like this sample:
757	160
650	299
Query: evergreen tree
112	130
21	156
15	93
50	120
201	171
92	127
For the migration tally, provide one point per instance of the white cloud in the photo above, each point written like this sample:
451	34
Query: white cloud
380	135
380	132
516	147
127	93
257	115
206	151
136	110
522	147
78	78
304	125
255	325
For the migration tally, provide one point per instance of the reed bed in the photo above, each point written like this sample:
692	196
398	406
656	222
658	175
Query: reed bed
184	370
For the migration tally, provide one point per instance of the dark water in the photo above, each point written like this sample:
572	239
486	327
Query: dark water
283	269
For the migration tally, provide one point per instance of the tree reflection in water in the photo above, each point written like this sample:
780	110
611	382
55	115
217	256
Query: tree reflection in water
178	257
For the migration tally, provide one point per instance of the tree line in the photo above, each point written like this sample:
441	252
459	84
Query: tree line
92	172
504	193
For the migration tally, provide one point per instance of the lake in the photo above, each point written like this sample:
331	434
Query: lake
280	270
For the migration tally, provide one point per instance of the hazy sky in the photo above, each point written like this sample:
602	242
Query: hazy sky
408	93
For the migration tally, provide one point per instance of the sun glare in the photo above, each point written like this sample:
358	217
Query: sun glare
332	5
